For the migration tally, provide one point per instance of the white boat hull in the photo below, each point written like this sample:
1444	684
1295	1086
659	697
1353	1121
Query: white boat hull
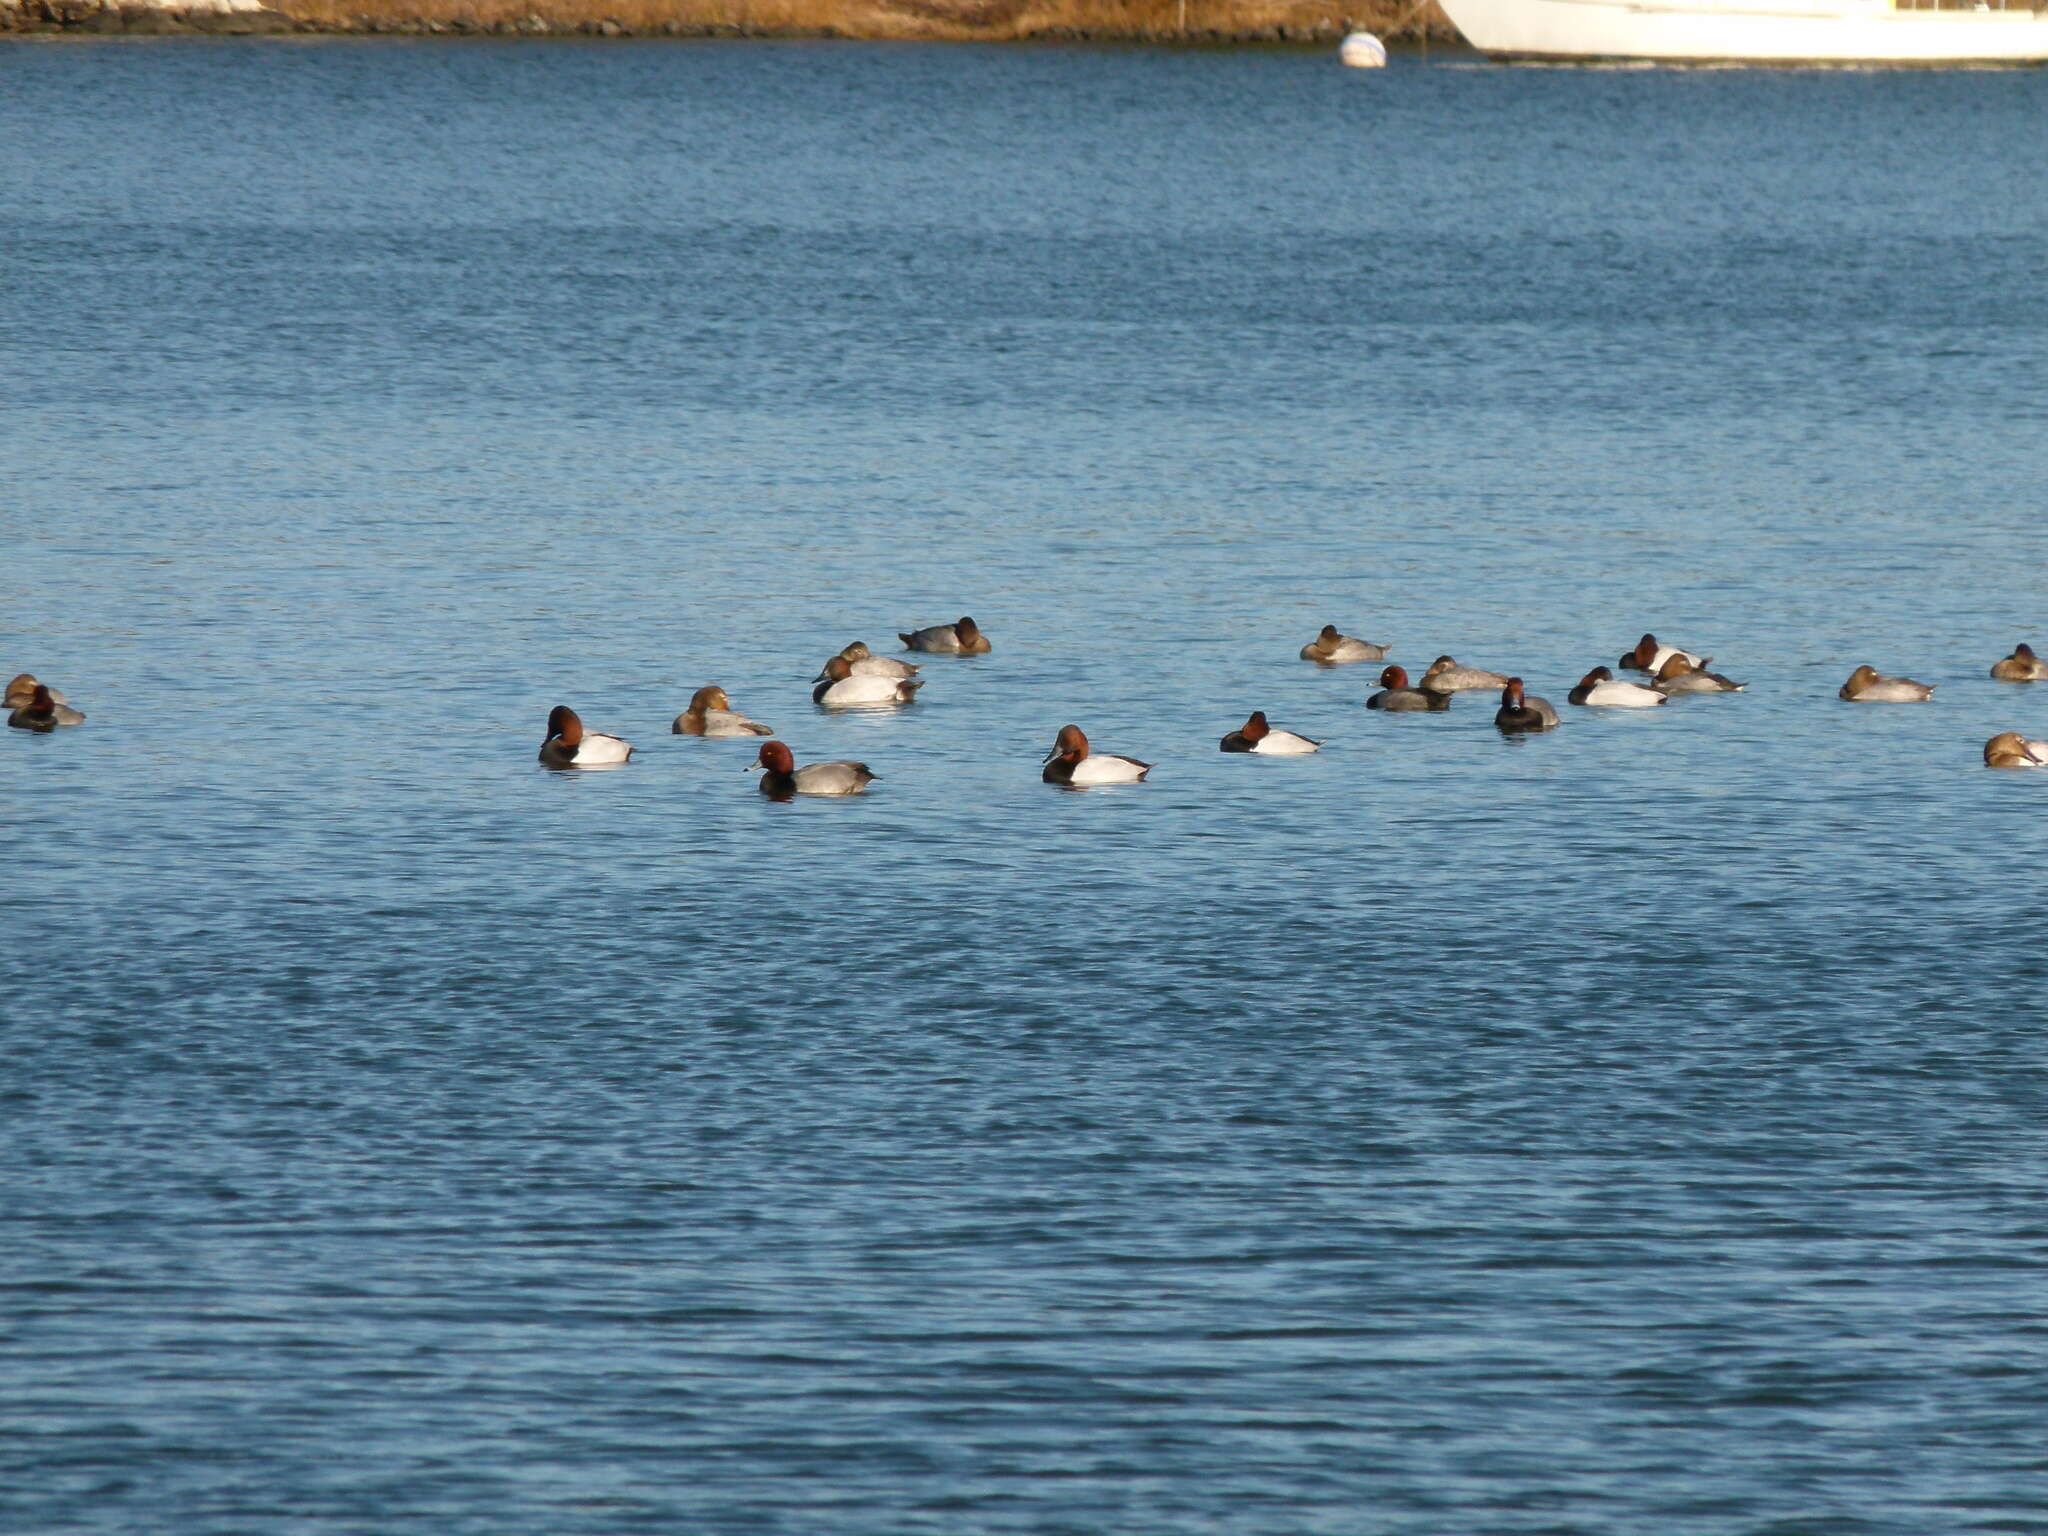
1749	32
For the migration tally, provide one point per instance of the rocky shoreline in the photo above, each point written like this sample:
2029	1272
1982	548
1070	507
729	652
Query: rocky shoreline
1246	22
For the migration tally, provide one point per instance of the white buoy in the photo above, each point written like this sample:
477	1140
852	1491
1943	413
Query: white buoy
1361	50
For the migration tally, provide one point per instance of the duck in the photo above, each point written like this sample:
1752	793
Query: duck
1678	675
24	692
1444	675
1867	686
866	663
711	714
1070	762
1519	713
38	714
1602	687
960	638
781	778
570	746
837	684
1650	654
1396	694
1331	649
2022	666
1255	735
2009	749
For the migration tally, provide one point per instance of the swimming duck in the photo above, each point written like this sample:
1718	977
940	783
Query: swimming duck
1255	735
866	663
38	714
570	746
711	714
1332	649
1444	675
963	638
837	684
1396	694
1677	676
22	694
1517	713
2022	666
1867	686
1070	762
1601	687
1650	655
2009	749
781	778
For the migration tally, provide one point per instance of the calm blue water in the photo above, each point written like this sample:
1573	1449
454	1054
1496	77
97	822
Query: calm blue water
1638	1129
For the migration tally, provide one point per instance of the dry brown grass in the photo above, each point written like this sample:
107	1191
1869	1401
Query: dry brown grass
956	20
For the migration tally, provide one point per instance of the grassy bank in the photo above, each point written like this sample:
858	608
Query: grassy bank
1298	21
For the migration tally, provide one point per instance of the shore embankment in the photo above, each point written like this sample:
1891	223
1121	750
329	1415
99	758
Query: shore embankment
1148	21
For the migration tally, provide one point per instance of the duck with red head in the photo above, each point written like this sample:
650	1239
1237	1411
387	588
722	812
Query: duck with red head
2009	749
1601	687
711	714
36	702
568	745
1071	763
1520	713
1330	649
1395	694
1650	654
1867	685
839	685
1256	735
781	778
961	638
2022	666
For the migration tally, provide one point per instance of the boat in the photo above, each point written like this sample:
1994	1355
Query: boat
1864	32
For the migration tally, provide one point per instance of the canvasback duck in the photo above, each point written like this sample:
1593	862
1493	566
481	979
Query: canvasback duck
1601	687
866	663
1867	686
1520	713
1255	735
711	714
1070	762
963	638
1444	675
1650	655
570	746
23	694
2009	749
1677	676
781	778
838	685
1331	649
1396	694
2022	666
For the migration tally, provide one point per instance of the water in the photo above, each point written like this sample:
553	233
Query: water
1634	1129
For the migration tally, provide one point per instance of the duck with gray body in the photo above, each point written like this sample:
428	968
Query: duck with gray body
711	715
1445	675
1521	714
1396	695
1867	685
1330	649
781	778
960	638
2022	666
1677	676
866	663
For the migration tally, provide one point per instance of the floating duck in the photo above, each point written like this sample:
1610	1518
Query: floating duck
1519	713
1255	735
22	694
837	685
711	714
1677	676
1867	686
2022	666
961	638
1600	687
1070	762
2009	749
781	778
1444	675
866	663
1332	649
570	746
1650	655
1397	695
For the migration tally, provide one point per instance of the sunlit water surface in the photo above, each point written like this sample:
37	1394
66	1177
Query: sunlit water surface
1638	1129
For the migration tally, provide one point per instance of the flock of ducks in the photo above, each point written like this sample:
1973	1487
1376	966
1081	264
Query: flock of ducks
856	677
